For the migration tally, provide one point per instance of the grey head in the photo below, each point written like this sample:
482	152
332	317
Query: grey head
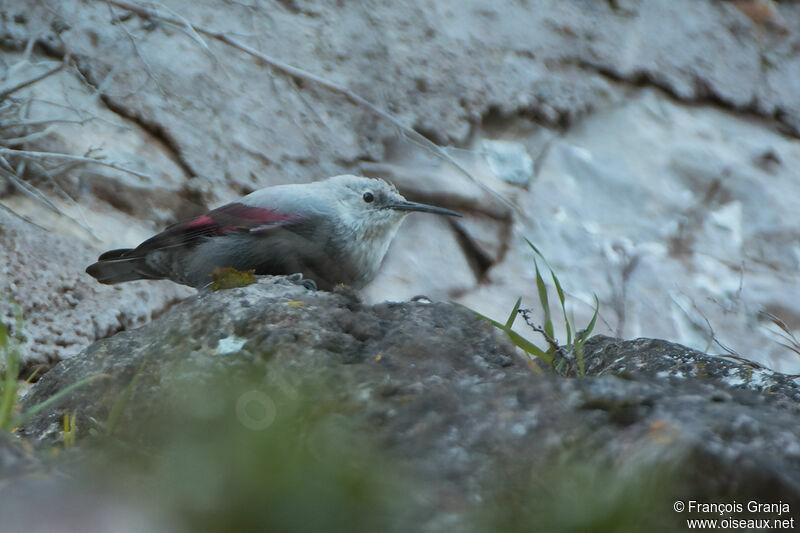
370	205
365	214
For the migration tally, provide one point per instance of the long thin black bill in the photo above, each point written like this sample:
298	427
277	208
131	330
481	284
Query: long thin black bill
424	208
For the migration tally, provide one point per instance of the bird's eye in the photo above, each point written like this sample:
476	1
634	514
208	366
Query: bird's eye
368	197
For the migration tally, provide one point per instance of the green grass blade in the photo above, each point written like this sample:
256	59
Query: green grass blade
539	253
581	339
559	290
8	384
122	402
33	411
518	340
528	346
513	316
562	299
590	327
70	429
579	357
3	337
534	248
30	378
491	321
542	290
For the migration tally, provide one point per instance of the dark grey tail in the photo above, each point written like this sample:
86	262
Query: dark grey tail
116	266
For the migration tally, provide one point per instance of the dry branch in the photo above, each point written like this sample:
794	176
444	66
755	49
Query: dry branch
40	197
27	83
68	157
22	217
44	122
27	138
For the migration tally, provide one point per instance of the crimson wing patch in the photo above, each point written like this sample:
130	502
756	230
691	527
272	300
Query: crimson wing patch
230	218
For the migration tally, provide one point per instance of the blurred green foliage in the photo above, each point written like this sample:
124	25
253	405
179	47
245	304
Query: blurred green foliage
581	495
10	357
239	456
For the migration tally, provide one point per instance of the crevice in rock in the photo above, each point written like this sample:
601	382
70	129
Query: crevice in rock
704	94
171	147
505	239
558	120
478	260
432	135
50	45
169	304
156	130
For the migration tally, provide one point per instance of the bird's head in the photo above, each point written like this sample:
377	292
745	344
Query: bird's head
371	207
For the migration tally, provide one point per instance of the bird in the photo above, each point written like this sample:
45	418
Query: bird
333	231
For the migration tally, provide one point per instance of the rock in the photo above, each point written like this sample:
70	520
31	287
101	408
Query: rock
663	212
484	241
275	312
550	61
63	309
78	123
442	395
15	460
509	161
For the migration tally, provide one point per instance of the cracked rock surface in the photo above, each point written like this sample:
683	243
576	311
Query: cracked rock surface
64	310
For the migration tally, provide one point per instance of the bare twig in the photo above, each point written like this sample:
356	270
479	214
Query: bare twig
735	356
138	53
781	324
22	161
6	165
45	122
40	197
30	190
59	170
296	72
310	137
190	30
713	334
740	359
22	85
57	186
557	348
68	157
27	138
320	119
21	217
785	334
26	54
